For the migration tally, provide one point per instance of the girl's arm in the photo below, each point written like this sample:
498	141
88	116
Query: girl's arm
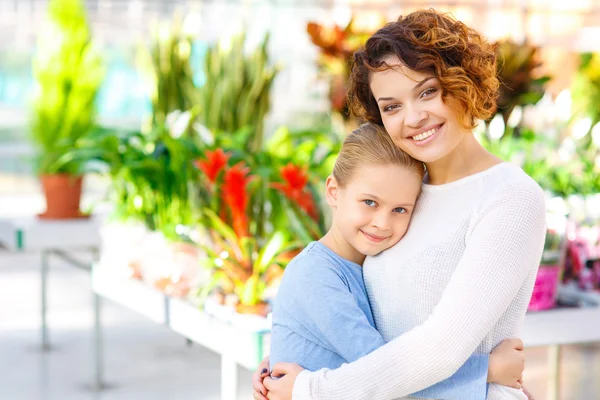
504	247
320	300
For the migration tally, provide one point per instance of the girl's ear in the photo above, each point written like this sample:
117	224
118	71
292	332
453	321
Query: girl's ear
331	191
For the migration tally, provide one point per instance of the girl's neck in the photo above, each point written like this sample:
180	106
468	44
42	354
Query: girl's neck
336	243
468	158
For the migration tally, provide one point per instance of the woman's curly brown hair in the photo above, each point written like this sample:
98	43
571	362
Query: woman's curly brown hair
430	42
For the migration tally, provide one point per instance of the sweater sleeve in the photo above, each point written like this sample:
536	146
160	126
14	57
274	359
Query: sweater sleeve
326	308
504	246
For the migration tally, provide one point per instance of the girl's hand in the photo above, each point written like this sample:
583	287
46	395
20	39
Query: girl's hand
281	387
260	391
507	363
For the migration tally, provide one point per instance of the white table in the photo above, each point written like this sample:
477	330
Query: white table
239	344
56	238
555	328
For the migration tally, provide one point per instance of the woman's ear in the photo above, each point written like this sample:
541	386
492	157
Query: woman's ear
331	191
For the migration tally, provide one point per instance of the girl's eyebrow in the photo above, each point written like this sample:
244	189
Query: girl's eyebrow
377	198
370	195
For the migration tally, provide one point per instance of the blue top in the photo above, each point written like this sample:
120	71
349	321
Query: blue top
322	319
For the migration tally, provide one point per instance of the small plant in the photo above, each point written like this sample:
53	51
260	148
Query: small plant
68	70
242	265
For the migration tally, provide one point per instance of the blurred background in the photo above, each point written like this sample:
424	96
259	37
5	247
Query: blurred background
162	160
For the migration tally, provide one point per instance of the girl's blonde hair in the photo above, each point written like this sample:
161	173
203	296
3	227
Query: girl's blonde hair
370	144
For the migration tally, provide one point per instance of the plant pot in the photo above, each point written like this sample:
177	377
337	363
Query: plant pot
63	194
261	309
545	290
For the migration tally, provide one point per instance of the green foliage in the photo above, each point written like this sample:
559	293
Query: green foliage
540	157
517	69
586	88
236	95
68	70
168	70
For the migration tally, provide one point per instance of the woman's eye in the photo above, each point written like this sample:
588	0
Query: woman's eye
428	92
370	203
391	107
400	210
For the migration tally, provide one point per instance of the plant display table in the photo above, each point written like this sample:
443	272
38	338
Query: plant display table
51	238
558	327
241	340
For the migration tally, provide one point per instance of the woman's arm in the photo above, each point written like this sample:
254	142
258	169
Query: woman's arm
320	300
503	248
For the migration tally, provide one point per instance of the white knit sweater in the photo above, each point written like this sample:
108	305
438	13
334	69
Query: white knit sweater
459	282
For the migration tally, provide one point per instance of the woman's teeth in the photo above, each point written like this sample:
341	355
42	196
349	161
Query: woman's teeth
425	135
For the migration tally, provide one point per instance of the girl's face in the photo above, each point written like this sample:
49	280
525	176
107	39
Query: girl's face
413	112
372	211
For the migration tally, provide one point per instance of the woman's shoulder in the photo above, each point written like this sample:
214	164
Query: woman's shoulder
510	187
511	181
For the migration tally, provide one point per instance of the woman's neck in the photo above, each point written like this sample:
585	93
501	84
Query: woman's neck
467	158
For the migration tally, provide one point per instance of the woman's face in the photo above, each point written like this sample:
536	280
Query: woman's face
413	112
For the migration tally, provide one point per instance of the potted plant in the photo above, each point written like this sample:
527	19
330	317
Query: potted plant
68	70
244	267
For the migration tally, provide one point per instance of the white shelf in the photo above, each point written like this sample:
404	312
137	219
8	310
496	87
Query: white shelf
247	346
562	326
31	233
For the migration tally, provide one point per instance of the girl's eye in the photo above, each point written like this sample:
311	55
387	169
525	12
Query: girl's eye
400	210
428	92
370	203
391	107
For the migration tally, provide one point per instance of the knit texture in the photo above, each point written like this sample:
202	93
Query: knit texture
459	282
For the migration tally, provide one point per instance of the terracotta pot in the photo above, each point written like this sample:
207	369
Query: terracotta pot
261	309
63	194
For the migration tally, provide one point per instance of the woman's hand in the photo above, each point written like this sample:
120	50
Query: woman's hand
260	391
282	385
507	363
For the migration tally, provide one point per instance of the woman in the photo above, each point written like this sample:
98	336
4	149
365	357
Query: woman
460	280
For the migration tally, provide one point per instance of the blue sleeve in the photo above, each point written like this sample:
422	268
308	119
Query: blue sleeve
323	304
468	383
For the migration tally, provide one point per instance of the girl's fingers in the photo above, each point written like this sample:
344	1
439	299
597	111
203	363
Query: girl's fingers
259	396
257	381
282	368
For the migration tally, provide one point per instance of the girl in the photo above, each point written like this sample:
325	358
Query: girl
322	317
461	279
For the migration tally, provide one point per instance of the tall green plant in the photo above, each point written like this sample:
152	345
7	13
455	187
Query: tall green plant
167	66
236	94
68	70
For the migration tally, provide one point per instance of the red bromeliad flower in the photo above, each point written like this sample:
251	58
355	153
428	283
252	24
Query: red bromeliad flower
294	188
213	164
236	196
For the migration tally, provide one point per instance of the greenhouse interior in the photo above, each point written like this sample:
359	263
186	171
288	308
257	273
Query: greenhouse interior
163	161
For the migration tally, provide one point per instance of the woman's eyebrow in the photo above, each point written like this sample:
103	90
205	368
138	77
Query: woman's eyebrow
424	81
